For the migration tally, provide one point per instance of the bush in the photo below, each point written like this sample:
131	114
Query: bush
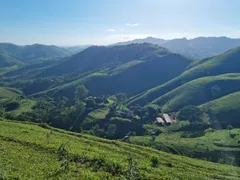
191	113
209	130
10	106
154	161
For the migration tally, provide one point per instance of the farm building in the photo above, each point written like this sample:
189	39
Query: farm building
166	119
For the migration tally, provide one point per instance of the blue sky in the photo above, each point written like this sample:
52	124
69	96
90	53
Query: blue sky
78	22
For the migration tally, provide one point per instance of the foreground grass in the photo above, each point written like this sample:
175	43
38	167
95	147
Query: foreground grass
31	152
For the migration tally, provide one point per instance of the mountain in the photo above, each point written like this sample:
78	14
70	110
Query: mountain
109	70
76	49
227	62
197	48
33	52
7	61
150	40
96	57
30	151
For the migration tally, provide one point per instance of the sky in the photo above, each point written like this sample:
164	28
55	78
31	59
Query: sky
102	22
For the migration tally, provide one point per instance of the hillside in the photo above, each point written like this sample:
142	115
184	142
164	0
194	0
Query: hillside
30	152
6	93
227	62
6	61
198	48
225	110
215	145
199	91
33	52
100	57
136	68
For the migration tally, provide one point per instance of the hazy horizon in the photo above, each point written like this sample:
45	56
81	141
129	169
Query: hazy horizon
73	22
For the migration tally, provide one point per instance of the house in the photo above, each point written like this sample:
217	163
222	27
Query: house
166	119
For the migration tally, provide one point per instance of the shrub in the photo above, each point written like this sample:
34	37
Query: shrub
154	161
10	106
209	130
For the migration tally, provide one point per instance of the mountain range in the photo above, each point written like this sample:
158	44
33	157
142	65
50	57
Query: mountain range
197	48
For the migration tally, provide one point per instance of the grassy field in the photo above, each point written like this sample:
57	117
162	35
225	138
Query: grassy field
219	146
26	105
31	152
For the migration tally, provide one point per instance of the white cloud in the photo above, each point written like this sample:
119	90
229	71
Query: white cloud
110	30
132	25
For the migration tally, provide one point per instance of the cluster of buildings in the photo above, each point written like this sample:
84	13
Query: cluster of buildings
166	119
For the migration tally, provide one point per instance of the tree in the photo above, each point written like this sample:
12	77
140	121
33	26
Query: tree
191	113
121	97
11	105
216	91
80	93
111	131
152	112
1	111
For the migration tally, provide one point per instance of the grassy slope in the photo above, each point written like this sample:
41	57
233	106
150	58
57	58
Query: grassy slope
226	110
199	91
140	77
131	78
217	146
228	62
7	61
6	93
33	52
31	152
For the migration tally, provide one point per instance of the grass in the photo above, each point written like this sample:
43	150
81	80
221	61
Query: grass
32	152
217	146
222	64
26	105
6	93
225	110
199	91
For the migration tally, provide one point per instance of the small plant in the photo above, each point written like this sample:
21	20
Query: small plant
154	161
132	171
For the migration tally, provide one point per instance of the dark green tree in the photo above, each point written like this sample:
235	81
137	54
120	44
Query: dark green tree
191	113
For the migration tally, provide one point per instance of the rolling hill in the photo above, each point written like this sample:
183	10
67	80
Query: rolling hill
227	62
198	48
33	52
6	61
109	70
225	110
199	91
6	93
29	151
100	57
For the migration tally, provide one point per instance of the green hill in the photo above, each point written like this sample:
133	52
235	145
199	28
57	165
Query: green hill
100	57
227	62
32	152
6	93
33	52
6	61
225	110
132	77
199	91
106	70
